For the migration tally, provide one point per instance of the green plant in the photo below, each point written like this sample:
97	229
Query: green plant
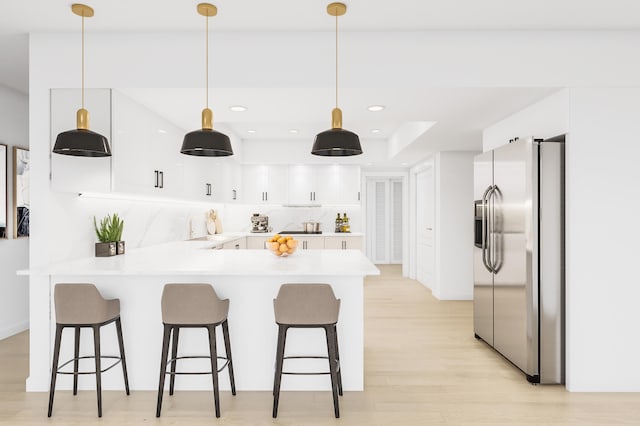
110	229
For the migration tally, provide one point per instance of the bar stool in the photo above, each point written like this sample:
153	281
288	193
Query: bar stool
307	306
81	306
193	306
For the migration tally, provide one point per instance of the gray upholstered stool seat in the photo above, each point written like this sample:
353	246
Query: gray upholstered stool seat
78	306
307	306
193	305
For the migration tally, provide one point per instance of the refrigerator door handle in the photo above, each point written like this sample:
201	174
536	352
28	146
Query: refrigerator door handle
485	245
495	258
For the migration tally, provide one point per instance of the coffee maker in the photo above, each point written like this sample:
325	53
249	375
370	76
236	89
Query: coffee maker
259	223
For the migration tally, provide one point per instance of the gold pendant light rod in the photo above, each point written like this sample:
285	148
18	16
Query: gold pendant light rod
82	61
336	9
82	116
207	10
336	60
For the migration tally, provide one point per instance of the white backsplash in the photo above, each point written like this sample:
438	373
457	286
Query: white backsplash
152	222
237	217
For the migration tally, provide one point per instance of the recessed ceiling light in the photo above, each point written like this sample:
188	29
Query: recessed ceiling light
375	108
238	108
293	131
369	164
251	131
162	131
404	164
375	130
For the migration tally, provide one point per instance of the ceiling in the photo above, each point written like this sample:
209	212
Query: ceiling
460	113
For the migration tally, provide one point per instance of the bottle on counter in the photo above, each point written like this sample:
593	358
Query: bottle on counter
338	223
345	224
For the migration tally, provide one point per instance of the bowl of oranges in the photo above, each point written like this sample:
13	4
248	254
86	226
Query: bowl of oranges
281	245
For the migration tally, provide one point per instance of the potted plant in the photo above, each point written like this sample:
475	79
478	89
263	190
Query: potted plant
109	234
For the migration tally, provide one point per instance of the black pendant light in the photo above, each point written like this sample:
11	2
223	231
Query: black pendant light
207	142
336	142
82	142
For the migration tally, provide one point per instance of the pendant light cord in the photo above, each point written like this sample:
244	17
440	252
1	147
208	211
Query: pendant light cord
83	60
336	60
207	59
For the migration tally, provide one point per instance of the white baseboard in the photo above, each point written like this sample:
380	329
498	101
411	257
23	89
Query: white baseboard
13	329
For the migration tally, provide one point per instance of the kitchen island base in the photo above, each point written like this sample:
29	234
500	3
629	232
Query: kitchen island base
251	323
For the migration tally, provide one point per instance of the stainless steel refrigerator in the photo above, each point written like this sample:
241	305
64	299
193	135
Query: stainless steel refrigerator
519	255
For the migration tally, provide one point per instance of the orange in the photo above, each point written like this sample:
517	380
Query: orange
292	244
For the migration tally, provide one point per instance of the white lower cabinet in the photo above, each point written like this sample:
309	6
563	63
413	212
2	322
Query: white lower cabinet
257	242
239	244
343	243
309	242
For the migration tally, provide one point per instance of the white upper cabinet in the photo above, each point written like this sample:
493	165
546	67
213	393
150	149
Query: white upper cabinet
146	150
264	184
339	184
206	178
326	184
80	174
303	184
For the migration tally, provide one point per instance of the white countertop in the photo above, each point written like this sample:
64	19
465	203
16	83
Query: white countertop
220	239
197	258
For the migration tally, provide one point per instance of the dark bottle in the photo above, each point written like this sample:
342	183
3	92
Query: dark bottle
338	223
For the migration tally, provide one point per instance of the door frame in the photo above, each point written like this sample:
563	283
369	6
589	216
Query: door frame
413	238
401	174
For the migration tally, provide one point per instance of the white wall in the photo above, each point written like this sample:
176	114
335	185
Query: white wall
603	201
14	253
544	119
453	226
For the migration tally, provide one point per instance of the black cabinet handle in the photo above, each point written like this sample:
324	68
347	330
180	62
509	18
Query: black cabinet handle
234	194
310	196
358	195
157	182
266	196
161	179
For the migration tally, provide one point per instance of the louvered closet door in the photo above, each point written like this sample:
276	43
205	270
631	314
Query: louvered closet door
396	221
384	221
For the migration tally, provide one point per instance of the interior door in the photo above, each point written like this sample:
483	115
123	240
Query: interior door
425	220
482	276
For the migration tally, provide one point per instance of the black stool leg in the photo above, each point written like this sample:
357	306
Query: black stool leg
96	346
54	368
214	366
174	354
331	350
76	354
282	337
163	366
227	346
339	367
122	358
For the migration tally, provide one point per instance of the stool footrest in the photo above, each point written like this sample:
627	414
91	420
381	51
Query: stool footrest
73	373
294	373
180	373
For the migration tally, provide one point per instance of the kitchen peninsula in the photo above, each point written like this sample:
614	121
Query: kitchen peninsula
250	279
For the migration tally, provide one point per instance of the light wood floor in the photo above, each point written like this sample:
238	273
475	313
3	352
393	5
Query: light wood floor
422	366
